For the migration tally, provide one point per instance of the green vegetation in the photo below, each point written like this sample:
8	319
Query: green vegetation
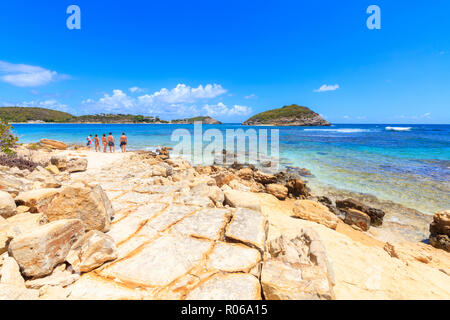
285	112
7	139
18	114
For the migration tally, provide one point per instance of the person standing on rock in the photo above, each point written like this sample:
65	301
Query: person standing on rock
97	143
105	143
123	142
111	145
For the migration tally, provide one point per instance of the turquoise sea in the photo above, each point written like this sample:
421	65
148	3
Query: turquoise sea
407	164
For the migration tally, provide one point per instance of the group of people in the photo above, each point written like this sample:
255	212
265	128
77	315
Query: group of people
107	142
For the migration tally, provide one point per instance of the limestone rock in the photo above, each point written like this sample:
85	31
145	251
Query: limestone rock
297	188
298	269
212	192
249	227
37	200
59	161
11	273
54	144
40	250
239	199
10	184
231	257
45	177
53	293
245	173
376	215
7	205
358	218
60	277
223	178
91	251
9	292
227	287
52	169
440	230
316	212
264	178
76	165
89	204
24	223
277	190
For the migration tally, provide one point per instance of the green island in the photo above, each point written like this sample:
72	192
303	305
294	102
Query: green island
292	115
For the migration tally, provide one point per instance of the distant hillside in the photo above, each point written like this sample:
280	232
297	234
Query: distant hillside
19	114
293	115
204	120
22	114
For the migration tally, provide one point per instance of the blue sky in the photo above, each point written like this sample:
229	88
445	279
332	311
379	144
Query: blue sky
230	59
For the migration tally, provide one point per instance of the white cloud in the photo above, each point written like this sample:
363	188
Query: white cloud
22	75
252	96
136	90
221	109
327	87
179	101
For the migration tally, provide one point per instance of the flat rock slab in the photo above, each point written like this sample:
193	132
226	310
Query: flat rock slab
227	287
233	257
160	262
249	227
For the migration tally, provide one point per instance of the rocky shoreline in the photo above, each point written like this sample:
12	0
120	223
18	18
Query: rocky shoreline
142	225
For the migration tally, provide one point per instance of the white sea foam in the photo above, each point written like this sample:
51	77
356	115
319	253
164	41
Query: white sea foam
398	128
340	130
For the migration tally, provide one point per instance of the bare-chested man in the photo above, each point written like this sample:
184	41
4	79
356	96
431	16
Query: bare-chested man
123	142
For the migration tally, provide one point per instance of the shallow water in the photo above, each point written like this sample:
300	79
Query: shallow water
408	164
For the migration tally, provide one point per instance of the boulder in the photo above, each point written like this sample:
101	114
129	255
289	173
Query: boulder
52	169
54	144
45	177
239	199
91	251
11	273
440	231
298	269
223	178
59	277
297	188
59	161
316	212
7	205
37	200
264	178
76	165
90	204
376	215
245	173
10	184
358	218
277	190
40	250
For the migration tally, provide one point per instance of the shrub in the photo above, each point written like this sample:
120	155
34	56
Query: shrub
21	163
7	139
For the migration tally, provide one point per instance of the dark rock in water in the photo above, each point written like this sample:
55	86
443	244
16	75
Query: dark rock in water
329	204
358	218
297	188
299	171
376	215
440	231
266	164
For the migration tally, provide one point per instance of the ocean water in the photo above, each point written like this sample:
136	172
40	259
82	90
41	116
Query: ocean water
407	164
